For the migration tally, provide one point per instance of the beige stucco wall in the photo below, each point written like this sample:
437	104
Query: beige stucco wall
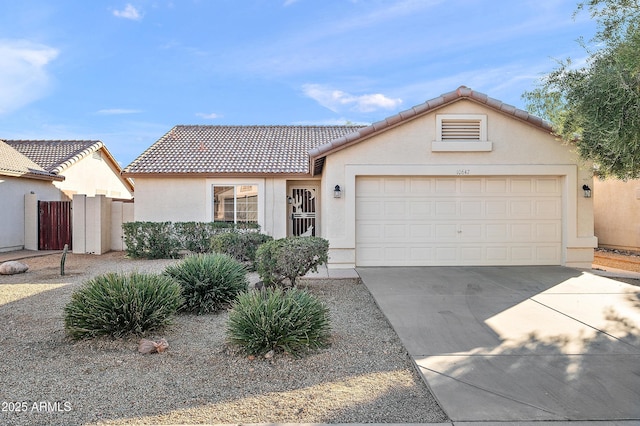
617	213
189	199
518	149
93	176
12	215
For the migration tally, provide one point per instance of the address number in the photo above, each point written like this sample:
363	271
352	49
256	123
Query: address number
463	171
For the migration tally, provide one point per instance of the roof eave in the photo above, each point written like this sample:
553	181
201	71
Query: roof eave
32	175
417	111
212	175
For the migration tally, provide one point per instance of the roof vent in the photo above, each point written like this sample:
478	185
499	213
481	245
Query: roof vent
461	129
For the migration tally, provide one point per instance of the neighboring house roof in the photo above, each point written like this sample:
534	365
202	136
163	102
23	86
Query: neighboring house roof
55	156
13	163
318	155
208	150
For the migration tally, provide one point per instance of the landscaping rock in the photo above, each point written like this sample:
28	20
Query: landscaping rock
13	267
149	346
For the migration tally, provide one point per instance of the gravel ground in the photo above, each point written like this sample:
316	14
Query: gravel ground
365	375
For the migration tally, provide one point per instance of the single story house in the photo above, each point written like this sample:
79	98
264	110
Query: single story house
39	178
462	179
616	205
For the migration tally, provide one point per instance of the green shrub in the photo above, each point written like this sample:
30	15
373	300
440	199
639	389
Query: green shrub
121	304
240	245
209	282
164	240
151	240
196	236
293	321
290	258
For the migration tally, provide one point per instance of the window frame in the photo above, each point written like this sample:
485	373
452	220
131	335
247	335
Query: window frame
237	189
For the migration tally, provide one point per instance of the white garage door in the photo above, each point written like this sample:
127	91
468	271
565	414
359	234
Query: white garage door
420	221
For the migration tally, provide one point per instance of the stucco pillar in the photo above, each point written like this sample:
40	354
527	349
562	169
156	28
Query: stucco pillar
31	221
79	220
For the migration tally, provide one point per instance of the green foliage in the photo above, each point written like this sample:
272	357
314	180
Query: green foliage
290	258
196	236
240	245
164	240
293	321
151	240
209	282
597	106
118	305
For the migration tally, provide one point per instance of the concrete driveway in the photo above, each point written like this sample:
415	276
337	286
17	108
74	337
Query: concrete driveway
518	343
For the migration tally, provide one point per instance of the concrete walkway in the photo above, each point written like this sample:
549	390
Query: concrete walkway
518	344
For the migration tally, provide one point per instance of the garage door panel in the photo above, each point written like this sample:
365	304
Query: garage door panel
472	208
446	186
548	186
458	220
472	231
420	231
548	208
420	186
369	186
496	185
521	208
471	186
397	231
547	232
445	208
496	209
420	209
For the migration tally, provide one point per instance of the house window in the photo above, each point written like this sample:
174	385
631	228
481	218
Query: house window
235	203
461	132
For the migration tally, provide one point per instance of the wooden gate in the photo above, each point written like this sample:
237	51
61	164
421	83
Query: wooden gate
54	225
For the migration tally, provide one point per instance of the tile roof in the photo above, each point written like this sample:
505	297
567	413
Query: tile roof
55	155
199	149
318	154
13	163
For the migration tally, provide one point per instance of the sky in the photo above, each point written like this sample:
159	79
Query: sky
126	72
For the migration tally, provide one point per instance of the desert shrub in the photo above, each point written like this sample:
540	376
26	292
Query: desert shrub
209	282
151	240
293	321
290	258
121	304
240	245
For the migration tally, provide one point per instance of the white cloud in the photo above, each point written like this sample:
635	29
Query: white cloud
211	116
23	74
129	12
289	2
337	100
118	111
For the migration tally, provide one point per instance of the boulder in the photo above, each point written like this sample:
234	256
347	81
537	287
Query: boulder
13	267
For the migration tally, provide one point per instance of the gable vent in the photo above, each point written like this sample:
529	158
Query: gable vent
456	129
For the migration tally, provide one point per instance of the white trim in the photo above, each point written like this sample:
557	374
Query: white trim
453	146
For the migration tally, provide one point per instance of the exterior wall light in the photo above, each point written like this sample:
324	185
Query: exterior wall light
337	192
587	191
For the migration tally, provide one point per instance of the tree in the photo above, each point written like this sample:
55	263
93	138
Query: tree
597	106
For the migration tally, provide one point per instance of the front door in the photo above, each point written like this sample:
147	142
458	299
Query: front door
302	211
